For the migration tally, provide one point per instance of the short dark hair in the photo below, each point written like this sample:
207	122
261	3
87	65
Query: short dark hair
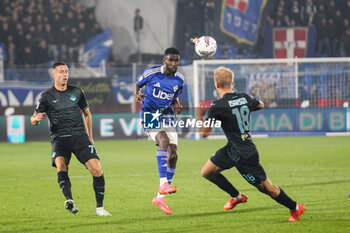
59	63
171	50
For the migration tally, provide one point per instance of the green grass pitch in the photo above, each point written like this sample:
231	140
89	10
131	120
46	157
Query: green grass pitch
313	170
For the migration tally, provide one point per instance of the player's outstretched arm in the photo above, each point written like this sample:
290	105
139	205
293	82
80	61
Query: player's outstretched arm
260	106
37	117
200	111
138	94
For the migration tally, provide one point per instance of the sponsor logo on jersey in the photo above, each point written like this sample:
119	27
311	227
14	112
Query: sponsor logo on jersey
162	94
157	85
175	88
73	98
55	101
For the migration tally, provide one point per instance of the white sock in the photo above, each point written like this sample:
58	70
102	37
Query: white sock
238	197
160	195
162	181
297	207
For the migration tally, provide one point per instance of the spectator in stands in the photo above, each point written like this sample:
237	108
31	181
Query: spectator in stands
323	38
270	22
281	6
333	39
96	29
345	40
308	11
5	30
73	45
39	32
346	10
51	43
320	15
82	31
32	16
64	39
280	20
41	56
138	26
339	21
11	52
295	14
209	17
332	8
26	58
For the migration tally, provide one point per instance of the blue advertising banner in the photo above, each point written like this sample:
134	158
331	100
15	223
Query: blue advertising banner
25	94
273	122
298	120
240	19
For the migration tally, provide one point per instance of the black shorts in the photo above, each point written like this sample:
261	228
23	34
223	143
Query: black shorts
249	167
79	145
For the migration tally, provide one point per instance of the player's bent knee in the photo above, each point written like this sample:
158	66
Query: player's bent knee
208	174
173	158
262	188
164	143
204	174
61	164
94	167
96	172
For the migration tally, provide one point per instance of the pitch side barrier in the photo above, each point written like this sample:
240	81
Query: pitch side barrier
266	122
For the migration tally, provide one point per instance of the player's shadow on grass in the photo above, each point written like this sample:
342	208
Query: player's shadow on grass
298	185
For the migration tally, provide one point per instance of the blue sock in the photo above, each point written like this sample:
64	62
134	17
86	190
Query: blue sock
170	173
162	157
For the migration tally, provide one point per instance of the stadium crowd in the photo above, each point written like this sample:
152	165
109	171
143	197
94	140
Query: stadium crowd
329	17
35	32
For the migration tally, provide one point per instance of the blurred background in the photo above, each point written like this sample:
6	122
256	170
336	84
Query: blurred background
108	43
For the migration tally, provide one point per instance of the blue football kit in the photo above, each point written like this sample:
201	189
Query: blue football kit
160	89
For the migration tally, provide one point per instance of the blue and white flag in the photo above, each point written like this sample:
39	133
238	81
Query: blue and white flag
240	19
96	50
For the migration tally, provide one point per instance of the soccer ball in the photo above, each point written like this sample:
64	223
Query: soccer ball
205	46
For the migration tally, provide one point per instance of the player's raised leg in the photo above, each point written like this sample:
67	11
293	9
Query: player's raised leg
213	173
98	184
172	160
276	193
64	183
162	161
165	170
